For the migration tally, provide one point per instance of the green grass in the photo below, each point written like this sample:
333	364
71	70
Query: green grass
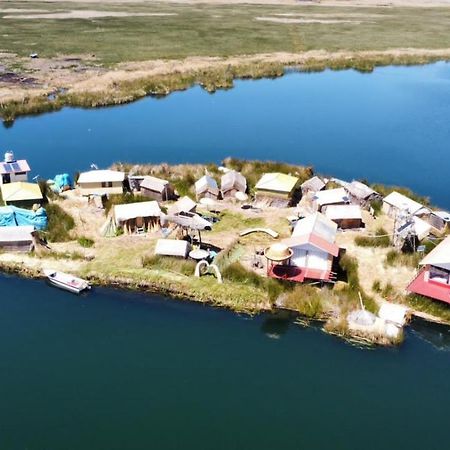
171	264
218	30
235	221
426	305
307	300
380	239
60	224
85	242
396	258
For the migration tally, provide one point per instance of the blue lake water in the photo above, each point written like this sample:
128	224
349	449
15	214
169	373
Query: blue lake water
126	371
390	126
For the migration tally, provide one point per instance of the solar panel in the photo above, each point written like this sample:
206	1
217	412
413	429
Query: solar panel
16	167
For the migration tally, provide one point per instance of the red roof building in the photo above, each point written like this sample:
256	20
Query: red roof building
433	280
313	250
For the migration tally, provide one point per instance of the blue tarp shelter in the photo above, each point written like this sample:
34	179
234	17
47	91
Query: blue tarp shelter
11	216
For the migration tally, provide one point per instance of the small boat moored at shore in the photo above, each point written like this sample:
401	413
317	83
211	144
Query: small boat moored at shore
66	281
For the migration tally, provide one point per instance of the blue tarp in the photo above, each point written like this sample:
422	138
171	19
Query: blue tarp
11	216
60	181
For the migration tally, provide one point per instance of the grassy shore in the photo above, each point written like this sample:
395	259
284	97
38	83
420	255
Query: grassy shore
114	60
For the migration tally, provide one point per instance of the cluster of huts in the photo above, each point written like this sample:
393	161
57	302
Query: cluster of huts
21	214
310	253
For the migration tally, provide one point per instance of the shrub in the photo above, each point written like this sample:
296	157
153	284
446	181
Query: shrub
380	239
85	242
60	223
387	290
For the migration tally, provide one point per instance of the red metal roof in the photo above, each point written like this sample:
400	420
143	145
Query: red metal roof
315	240
423	286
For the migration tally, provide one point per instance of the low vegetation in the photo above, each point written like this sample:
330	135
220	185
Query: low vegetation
120	199
167	263
235	221
307	300
381	238
60	224
85	242
426	305
396	258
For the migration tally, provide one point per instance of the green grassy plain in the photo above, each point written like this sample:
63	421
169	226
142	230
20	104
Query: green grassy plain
217	30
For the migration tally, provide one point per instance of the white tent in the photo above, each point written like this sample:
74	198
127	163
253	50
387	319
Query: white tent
129	211
172	247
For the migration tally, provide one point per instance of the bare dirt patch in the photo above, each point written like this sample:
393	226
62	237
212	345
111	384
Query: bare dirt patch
292	20
87	14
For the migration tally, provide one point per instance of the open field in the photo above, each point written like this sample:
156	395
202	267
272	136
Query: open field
114	52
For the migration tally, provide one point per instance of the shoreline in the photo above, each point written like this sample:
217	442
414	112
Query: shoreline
120	261
128	82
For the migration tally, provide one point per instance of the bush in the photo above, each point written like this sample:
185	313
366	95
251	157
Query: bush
85	242
376	286
377	206
388	290
60	223
380	239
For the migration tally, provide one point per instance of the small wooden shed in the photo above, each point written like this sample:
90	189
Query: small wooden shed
100	182
206	187
17	239
140	217
21	194
182	205
345	216
314	184
157	189
231	183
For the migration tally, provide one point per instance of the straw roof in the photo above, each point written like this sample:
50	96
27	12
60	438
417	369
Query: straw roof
184	204
20	191
129	211
278	252
314	184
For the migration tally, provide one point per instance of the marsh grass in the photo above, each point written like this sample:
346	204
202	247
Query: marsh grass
426	305
60	224
171	264
235	221
380	239
396	258
307	300
86	242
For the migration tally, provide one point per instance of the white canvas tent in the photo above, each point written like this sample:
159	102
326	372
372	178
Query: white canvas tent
172	247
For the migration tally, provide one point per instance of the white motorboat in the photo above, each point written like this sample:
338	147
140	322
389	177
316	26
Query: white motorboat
66	281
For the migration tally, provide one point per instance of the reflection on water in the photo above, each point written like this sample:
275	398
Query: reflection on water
277	324
435	334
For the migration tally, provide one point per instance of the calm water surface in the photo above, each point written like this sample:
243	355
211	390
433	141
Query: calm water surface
117	370
391	126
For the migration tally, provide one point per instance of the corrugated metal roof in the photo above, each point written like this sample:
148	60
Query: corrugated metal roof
100	176
233	179
20	191
336	212
439	256
129	211
278	182
331	196
359	190
400	201
17	166
154	184
318	224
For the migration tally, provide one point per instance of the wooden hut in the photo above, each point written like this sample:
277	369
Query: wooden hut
138	218
101	182
345	216
231	183
394	203
330	197
277	189
361	194
206	187
17	239
21	194
157	189
313	185
182	205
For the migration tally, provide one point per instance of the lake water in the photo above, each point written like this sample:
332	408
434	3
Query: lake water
119	370
390	126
